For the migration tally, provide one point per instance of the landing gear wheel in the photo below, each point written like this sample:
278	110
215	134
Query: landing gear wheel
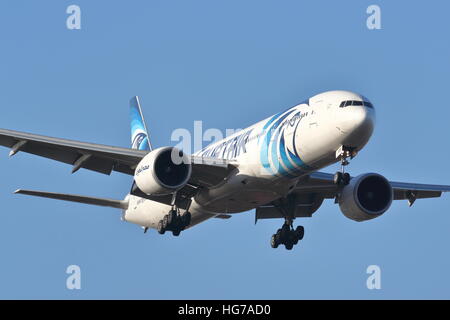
273	241
287	236
171	217
284	232
176	232
278	235
186	219
161	229
346	178
338	178
341	178
165	222
299	232
294	238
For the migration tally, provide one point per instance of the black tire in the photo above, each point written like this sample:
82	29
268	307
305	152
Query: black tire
273	241
294	238
337	179
161	229
278	236
285	233
165	222
289	246
186	219
346	178
299	232
171	217
176	232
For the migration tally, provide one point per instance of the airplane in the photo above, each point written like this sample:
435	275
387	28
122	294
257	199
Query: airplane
271	167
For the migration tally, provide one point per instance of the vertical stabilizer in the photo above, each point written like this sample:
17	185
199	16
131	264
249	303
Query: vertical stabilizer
140	139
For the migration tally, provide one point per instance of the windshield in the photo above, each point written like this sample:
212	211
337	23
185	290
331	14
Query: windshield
355	103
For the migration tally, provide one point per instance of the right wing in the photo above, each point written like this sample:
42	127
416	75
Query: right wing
119	204
96	157
206	172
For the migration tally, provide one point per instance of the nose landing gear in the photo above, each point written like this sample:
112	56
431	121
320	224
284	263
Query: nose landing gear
341	177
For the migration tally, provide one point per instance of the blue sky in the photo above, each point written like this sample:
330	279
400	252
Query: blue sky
229	64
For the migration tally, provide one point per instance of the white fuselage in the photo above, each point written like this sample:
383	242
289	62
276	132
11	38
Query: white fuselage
272	155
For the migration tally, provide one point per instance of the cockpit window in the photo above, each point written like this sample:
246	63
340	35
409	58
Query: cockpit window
355	103
368	104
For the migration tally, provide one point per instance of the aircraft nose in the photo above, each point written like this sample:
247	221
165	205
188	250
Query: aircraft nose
359	116
357	123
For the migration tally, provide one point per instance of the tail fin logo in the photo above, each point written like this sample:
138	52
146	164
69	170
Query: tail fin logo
140	141
139	134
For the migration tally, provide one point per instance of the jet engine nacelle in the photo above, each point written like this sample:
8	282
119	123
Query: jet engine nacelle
367	196
163	171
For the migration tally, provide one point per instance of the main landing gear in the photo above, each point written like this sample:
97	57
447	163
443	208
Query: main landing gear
174	222
342	178
287	235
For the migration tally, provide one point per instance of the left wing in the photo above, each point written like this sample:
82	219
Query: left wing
314	188
323	183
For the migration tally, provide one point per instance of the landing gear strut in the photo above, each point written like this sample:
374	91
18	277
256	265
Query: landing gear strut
342	177
287	235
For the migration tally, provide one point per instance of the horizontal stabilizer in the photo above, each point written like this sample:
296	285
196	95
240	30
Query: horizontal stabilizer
119	204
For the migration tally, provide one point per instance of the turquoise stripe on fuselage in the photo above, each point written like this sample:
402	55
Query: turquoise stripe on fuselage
264	155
